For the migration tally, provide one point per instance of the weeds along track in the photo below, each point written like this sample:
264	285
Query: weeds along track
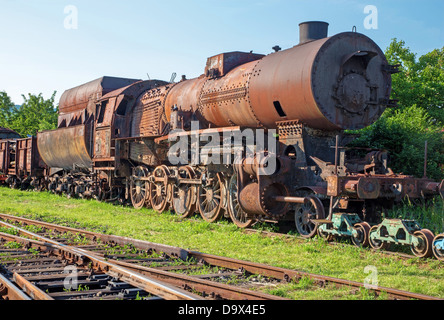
45	261
103	270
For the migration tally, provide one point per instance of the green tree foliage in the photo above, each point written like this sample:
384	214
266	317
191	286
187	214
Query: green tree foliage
403	134
419	87
421	81
35	114
7	110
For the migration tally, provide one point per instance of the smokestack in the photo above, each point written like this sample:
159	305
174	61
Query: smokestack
312	30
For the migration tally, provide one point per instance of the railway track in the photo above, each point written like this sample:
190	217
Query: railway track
112	267
48	270
105	272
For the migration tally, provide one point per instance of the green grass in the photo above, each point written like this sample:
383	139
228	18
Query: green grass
225	239
429	216
306	289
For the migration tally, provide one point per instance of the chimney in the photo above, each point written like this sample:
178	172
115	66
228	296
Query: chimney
312	30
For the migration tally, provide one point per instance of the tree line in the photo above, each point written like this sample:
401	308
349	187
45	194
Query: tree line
34	115
402	131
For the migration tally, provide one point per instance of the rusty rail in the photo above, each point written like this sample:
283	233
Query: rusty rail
221	290
136	279
212	289
29	288
122	241
11	291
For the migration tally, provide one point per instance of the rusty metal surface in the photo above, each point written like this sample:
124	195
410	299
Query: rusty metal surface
376	186
260	199
351	93
78	105
113	121
148	115
23	154
20	157
225	101
4	155
184	95
33	291
305	81
280	89
9	291
330	84
126	100
77	98
102	143
221	64
66	147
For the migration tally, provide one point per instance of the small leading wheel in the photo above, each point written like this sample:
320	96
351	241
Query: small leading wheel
209	199
139	189
375	243
311	209
237	214
362	238
438	247
159	189
424	248
184	194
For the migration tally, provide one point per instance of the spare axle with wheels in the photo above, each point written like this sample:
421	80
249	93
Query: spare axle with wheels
402	232
345	225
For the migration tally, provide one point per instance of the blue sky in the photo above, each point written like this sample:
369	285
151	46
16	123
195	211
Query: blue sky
133	38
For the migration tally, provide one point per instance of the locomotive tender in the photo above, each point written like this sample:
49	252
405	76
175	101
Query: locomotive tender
115	135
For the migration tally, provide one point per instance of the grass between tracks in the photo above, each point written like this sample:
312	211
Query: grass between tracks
225	239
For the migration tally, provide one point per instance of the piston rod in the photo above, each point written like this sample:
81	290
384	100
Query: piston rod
289	199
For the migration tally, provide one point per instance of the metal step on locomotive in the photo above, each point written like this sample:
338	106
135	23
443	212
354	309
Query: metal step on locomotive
261	138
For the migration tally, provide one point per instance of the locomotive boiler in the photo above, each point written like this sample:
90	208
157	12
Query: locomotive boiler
115	136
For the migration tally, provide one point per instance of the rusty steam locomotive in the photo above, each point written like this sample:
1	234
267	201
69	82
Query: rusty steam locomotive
114	139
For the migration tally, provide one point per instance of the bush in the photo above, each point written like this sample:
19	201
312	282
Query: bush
403	134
